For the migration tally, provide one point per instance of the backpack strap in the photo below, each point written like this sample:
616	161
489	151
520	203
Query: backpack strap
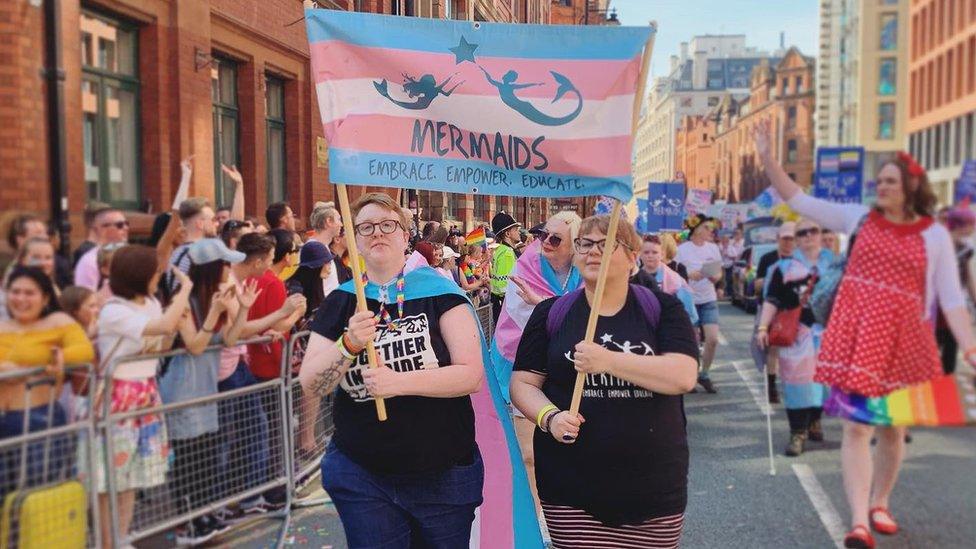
857	229
559	310
649	305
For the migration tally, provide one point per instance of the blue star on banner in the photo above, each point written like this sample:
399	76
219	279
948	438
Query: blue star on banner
463	51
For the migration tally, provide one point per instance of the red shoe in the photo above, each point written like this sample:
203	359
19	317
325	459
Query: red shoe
859	538
884	523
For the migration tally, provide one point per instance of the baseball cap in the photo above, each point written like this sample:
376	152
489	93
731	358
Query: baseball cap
314	254
787	229
208	250
449	253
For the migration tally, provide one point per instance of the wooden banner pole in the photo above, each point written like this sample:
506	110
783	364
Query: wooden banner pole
357	278
611	243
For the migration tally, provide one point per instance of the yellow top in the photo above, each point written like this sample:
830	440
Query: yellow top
33	347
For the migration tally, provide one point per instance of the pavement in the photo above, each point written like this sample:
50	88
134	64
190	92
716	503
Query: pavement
733	499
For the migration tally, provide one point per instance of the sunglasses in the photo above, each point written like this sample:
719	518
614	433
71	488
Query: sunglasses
118	225
553	240
652	238
804	232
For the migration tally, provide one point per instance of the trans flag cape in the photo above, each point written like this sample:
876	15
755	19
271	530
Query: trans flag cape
535	270
672	283
507	516
472	107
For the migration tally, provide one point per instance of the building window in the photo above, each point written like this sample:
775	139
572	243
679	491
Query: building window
786	86
791	150
712	101
886	121
403	7
274	98
799	84
481	207
888	77
791	117
226	125
889	31
110	104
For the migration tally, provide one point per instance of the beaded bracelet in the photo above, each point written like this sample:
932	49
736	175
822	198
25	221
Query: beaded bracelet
545	409
547	422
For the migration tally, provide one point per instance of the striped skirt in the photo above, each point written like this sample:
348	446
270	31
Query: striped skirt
571	527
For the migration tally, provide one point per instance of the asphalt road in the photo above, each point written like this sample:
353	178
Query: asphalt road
734	501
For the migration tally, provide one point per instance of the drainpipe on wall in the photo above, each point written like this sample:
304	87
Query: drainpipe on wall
57	157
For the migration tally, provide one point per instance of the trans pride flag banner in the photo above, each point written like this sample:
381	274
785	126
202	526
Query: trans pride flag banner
471	107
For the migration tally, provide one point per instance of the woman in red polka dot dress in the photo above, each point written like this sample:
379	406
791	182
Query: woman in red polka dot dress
881	336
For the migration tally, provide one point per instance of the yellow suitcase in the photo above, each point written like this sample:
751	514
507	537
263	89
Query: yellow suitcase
47	516
50	514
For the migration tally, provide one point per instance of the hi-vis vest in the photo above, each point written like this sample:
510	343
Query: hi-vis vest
502	264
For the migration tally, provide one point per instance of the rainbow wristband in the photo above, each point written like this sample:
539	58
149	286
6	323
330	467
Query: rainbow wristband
542	413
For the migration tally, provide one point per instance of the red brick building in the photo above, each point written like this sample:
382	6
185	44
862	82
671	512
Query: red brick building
149	82
784	95
694	154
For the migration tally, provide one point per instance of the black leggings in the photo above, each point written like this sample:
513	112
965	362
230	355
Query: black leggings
949	348
196	463
802	418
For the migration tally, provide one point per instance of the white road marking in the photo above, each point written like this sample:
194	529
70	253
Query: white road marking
821	502
755	386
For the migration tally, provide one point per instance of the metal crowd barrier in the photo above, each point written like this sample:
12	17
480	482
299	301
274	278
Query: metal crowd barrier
269	436
45	501
237	458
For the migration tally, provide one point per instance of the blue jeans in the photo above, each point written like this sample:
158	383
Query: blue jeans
60	457
424	510
244	450
707	313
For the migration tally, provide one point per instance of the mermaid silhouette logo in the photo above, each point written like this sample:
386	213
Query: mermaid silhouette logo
508	86
424	90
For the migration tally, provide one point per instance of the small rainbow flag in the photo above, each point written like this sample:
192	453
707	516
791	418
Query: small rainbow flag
476	238
948	400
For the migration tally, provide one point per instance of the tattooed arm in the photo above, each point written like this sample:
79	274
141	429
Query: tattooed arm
323	366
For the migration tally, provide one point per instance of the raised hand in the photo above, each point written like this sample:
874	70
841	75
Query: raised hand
249	294
186	166
525	292
760	134
232	174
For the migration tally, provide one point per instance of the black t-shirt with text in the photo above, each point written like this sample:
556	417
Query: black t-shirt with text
421	434
630	462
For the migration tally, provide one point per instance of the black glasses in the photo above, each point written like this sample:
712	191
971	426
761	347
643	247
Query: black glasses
117	224
553	240
386	226
584	245
804	232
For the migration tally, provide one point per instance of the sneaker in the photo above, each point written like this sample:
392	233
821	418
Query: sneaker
815	432
707	385
795	447
195	533
255	507
230	515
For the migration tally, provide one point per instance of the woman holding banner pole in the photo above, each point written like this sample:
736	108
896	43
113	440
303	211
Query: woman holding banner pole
619	476
416	477
880	338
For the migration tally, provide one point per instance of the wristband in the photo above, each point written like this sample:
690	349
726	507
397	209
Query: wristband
347	343
545	409
762	329
343	350
548	420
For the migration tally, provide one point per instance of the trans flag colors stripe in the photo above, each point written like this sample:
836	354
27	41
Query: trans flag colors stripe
471	107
